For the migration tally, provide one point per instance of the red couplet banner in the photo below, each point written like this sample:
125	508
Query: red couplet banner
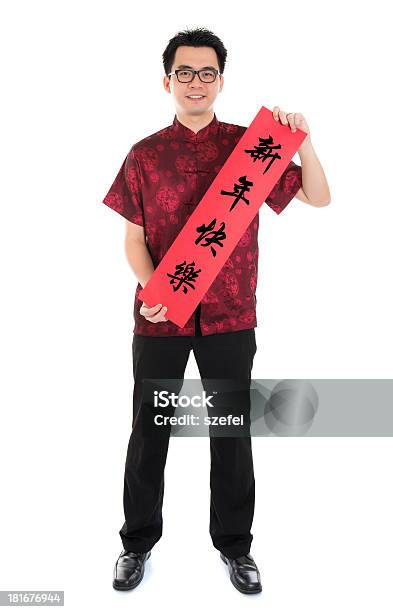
207	239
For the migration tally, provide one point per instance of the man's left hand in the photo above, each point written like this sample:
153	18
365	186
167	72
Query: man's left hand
294	121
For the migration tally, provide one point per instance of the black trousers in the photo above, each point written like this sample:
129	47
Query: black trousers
232	484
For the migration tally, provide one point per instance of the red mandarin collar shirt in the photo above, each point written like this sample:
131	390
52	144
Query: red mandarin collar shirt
160	183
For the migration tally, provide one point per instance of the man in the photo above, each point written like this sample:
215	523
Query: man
159	184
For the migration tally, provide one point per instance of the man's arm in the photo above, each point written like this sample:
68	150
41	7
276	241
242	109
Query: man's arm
141	264
137	253
314	189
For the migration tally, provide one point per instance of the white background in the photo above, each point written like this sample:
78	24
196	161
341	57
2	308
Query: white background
82	81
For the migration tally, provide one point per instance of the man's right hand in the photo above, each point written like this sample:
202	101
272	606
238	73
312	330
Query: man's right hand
155	314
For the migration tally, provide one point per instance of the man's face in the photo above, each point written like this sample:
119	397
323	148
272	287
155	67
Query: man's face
195	58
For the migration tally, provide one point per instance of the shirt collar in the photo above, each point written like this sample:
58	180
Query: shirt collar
184	133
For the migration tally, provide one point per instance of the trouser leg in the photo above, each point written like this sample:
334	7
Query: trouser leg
230	356
153	358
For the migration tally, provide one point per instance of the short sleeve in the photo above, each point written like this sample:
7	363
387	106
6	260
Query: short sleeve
125	194
286	188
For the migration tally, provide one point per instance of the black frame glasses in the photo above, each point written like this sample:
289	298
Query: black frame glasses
194	72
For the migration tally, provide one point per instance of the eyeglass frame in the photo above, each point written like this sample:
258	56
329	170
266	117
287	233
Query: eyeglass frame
217	73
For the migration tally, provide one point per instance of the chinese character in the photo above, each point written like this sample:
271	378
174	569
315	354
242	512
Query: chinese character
211	235
264	150
239	191
184	274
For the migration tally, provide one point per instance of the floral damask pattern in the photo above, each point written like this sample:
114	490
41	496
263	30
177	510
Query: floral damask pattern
158	186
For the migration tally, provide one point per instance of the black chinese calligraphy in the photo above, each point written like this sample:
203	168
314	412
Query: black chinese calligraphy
264	150
184	276
211	235
238	191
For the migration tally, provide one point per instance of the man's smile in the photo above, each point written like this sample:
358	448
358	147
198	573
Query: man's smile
196	96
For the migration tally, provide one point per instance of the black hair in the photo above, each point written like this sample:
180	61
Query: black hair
199	37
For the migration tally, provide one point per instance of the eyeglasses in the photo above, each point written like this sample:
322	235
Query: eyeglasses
206	75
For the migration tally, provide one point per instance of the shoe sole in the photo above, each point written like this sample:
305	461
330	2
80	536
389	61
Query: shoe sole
133	586
244	591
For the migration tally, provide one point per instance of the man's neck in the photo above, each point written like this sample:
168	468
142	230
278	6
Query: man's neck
195	123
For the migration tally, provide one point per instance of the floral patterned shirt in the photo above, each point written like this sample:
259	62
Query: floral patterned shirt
161	181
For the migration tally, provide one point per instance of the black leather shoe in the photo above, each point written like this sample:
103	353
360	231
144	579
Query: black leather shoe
244	573
129	570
